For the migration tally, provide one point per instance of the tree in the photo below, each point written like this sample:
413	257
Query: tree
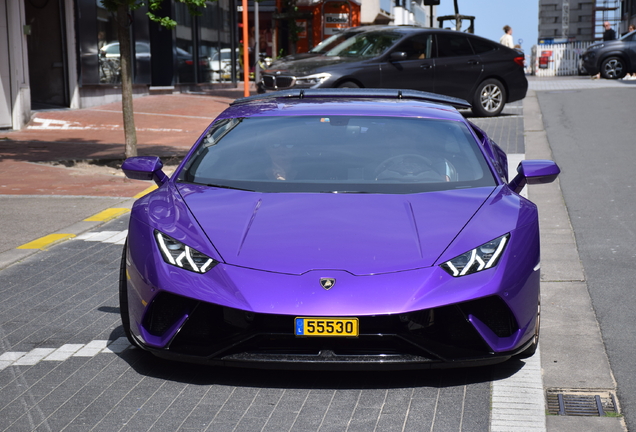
122	10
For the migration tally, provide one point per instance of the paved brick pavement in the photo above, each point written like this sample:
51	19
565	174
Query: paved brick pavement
167	125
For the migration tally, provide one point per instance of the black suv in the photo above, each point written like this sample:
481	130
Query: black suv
483	72
613	59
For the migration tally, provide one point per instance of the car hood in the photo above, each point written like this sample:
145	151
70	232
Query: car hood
603	44
309	65
361	234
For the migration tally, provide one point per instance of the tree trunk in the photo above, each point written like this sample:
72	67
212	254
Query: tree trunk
125	59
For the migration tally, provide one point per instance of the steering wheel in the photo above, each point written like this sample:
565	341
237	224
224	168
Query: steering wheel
408	168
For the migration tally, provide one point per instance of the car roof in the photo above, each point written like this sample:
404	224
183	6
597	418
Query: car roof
407	29
347	101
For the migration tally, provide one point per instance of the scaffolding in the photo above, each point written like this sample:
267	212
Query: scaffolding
606	10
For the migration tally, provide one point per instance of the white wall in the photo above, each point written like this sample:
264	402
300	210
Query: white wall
16	98
5	76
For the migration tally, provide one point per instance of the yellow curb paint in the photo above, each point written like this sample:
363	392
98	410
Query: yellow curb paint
45	241
145	192
107	215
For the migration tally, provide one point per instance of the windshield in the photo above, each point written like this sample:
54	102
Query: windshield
345	154
368	44
332	41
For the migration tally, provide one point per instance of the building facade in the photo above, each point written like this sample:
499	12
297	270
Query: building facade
582	20
65	53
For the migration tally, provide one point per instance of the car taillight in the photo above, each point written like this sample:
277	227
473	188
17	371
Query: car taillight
519	60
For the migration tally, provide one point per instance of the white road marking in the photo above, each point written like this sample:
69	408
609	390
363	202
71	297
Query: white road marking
116	237
91	349
32	357
117	346
49	124
63	352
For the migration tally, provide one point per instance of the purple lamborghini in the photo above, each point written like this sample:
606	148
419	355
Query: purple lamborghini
340	229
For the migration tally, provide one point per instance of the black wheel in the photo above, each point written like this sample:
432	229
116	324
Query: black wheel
348	84
613	68
529	352
489	99
123	299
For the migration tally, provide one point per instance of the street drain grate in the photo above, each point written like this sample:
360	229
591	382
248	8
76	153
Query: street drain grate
581	403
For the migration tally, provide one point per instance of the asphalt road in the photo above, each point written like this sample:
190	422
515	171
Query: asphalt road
592	136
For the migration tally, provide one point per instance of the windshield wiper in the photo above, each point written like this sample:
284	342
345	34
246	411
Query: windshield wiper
230	187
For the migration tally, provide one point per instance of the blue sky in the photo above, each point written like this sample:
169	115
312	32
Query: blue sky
492	15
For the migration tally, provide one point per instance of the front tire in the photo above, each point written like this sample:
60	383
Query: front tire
613	68
123	299
489	99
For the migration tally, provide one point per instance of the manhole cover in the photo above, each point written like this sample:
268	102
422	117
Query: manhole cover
597	403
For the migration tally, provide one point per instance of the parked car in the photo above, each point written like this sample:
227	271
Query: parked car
109	64
336	229
613	59
221	64
447	62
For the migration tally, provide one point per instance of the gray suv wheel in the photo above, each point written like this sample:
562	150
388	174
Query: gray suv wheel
613	68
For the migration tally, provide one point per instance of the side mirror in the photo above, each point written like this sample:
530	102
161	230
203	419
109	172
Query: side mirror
145	168
397	56
534	172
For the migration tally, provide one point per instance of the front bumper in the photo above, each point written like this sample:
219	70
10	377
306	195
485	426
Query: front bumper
433	338
590	63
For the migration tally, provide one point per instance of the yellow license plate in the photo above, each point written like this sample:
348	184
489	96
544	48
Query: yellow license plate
318	326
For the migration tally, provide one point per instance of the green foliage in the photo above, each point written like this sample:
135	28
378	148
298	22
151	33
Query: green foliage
154	6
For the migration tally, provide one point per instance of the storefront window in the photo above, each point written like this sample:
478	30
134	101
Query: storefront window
185	44
107	46
214	43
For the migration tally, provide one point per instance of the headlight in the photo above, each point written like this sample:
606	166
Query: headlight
478	259
312	79
180	255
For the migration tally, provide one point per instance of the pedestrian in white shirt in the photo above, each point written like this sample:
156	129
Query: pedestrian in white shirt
506	39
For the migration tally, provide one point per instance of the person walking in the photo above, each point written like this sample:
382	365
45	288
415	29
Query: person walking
506	39
608	35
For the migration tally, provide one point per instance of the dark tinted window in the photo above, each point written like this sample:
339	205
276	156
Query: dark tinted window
451	45
481	46
418	47
630	37
357	154
332	42
367	44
